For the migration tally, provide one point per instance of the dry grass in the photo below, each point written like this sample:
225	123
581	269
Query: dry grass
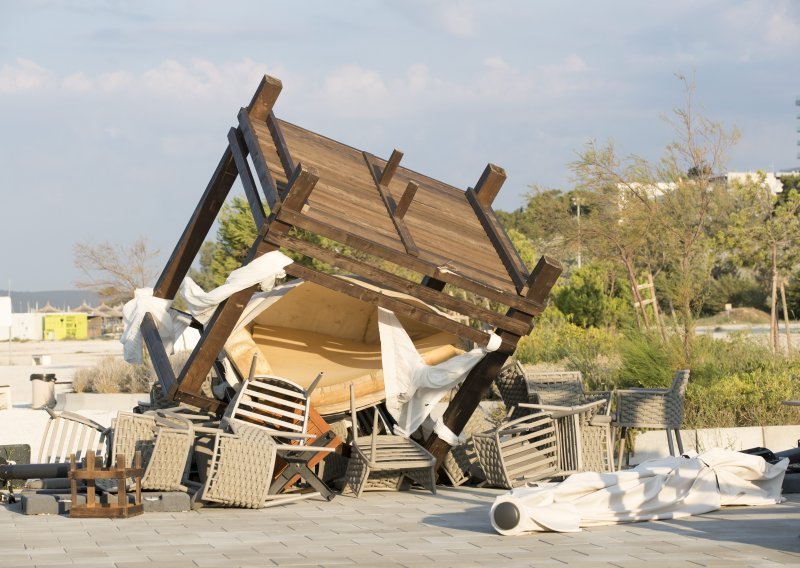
112	375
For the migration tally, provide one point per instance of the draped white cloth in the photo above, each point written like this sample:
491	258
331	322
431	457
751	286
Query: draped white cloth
264	270
412	387
666	488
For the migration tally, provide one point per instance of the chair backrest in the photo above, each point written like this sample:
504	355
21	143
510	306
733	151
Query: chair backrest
513	388
557	388
373	442
132	433
679	383
69	433
272	402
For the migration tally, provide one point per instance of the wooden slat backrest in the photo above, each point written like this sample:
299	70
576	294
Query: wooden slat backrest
69	433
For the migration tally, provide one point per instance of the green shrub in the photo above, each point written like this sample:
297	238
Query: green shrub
647	360
594	296
555	340
750	398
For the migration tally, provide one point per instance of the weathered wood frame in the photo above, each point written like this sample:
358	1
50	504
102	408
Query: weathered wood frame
285	211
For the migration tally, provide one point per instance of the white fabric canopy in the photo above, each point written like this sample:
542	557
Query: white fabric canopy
657	489
264	270
412	387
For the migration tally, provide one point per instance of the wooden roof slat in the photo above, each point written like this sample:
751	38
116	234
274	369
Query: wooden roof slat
389	202
237	145
259	160
397	283
499	239
280	144
442	273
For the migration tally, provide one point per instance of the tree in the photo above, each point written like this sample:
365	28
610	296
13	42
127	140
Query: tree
666	212
236	232
764	232
115	271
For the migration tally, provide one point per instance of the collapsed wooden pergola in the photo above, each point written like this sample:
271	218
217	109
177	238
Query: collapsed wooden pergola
389	215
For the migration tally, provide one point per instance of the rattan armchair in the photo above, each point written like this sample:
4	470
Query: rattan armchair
654	409
583	417
519	451
385	461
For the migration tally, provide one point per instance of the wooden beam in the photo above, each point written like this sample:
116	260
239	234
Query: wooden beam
406	199
264	98
237	145
211	343
158	354
259	161
280	145
429	269
216	333
396	283
396	305
391	206
480	379
197	228
391	167
299	188
499	239
489	184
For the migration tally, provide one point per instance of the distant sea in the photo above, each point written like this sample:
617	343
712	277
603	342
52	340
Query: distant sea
24	302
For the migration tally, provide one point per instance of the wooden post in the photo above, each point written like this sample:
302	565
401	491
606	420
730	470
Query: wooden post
480	379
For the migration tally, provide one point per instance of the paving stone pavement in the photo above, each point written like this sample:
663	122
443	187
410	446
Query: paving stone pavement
411	528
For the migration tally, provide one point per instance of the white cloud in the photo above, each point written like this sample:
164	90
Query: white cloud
457	17
25	76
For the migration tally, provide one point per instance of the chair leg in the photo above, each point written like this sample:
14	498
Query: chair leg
621	451
680	442
669	441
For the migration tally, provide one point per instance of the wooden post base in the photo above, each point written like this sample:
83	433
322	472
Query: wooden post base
90	473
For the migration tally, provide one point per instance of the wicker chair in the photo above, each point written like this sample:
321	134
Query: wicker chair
69	433
385	461
519	451
583	418
163	439
652	408
461	463
590	428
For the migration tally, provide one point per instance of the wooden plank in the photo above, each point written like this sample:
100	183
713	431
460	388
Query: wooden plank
280	145
391	167
300	186
264	98
259	161
391	206
237	146
211	343
406	199
158	354
499	239
480	379
442	273
397	283
396	305
197	228
489	184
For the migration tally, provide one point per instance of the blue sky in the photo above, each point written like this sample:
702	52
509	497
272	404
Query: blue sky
114	114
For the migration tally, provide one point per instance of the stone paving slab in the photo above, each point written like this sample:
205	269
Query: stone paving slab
393	529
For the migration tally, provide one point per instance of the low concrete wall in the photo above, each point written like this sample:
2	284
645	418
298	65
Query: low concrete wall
652	444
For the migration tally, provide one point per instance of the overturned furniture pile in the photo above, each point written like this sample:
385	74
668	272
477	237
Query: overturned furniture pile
419	251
